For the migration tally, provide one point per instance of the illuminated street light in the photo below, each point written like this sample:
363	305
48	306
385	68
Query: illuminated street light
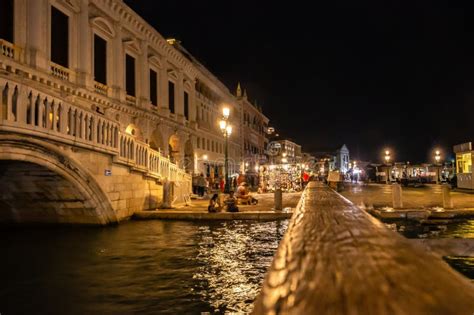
387	156
437	156
226	129
225	112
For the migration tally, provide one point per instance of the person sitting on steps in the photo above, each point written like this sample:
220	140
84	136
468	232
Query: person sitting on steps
244	196
214	204
231	202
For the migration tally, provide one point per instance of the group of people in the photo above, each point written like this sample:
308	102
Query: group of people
231	201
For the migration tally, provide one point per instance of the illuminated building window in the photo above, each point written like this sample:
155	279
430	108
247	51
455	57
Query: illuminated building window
464	163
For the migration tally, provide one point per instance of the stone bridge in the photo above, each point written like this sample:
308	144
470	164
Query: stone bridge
61	163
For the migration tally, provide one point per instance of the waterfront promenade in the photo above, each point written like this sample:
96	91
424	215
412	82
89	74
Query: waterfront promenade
197	210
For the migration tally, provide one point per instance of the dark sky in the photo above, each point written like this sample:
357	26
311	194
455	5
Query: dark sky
371	74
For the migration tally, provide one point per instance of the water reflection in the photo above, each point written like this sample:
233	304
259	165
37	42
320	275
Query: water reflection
233	259
412	229
153	267
458	229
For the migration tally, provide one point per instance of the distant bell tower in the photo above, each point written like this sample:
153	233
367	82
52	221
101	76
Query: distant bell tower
239	90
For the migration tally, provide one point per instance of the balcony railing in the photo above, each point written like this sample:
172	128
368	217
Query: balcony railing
131	100
60	72
9	50
100	88
25	110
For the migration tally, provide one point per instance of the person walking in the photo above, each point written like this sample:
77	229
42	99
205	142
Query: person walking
201	182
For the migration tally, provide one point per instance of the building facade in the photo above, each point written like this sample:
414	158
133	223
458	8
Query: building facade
254	142
107	59
285	152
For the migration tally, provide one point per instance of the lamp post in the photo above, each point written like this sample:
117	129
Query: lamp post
226	129
437	159
387	161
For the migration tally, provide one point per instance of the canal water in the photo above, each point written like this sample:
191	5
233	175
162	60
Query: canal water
146	267
457	229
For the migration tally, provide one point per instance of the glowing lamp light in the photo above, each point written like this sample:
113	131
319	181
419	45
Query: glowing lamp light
256	168
284	160
387	152
246	163
222	124
226	112
229	130
204	157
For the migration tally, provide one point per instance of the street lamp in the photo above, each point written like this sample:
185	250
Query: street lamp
437	156
226	129
387	156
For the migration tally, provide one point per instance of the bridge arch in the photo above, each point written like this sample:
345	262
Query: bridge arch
42	184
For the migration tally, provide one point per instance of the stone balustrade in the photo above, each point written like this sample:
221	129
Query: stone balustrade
337	259
28	111
9	50
100	88
60	72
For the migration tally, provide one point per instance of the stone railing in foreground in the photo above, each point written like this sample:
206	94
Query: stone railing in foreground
337	259
28	111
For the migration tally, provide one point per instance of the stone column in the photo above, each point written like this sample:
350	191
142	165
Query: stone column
84	48
118	80
37	37
179	96
163	89
20	26
143	77
192	103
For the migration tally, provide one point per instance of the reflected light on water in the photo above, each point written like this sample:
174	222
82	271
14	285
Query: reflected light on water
233	259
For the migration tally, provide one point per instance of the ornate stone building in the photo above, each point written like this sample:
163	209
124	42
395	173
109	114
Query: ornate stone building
254	139
94	75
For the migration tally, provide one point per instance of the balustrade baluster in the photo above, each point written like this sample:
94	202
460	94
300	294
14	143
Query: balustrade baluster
37	111
99	130
8	99
93	129
14	105
47	114
22	102
61	118
30	112
77	123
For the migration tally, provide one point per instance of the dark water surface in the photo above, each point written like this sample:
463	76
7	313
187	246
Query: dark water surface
148	267
456	229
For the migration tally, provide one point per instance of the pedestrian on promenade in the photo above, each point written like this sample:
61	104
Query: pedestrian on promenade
222	184
201	182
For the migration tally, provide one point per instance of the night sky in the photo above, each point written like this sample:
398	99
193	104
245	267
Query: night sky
371	74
